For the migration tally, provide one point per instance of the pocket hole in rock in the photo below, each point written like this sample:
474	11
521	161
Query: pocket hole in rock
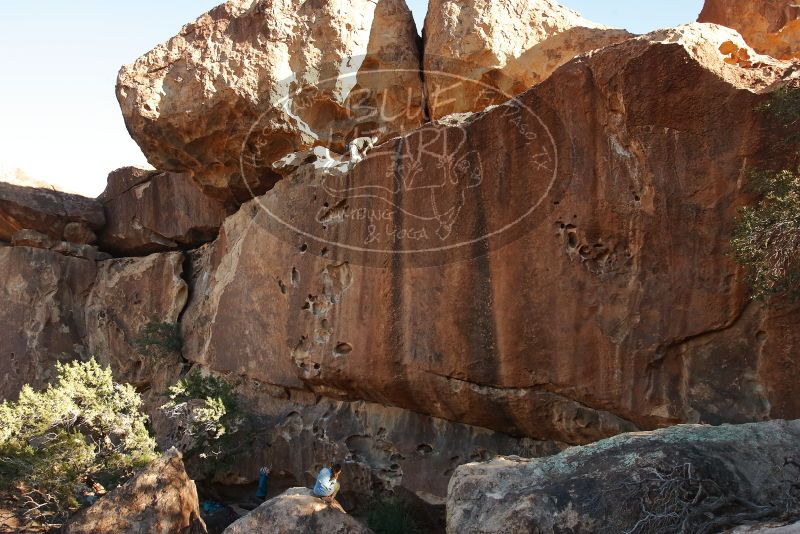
343	348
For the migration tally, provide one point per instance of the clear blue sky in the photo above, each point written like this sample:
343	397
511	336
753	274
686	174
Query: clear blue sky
59	119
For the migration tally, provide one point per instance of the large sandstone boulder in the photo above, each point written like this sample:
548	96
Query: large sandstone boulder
159	500
484	52
297	510
565	274
275	76
770	26
151	212
61	216
681	479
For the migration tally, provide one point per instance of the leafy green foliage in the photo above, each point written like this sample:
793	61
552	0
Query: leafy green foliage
158	338
784	105
83	429
207	412
391	516
767	236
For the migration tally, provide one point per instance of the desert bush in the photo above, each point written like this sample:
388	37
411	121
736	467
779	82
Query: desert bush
766	240
767	235
56	443
784	105
159	338
209	421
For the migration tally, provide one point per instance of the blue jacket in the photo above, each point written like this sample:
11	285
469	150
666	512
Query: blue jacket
325	485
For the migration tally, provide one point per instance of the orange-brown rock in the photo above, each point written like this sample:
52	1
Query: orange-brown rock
282	74
771	27
59	307
61	216
41	316
122	180
34	239
151	212
557	267
383	448
159	500
127	294
483	52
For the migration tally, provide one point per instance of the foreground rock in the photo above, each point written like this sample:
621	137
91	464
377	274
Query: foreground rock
771	27
578	281
60	216
297	510
159	500
484	52
769	528
685	478
286	72
151	212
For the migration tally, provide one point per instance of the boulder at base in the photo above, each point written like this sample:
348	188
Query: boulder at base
159	500
297	510
681	479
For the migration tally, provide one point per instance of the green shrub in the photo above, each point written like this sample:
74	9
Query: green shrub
391	516
83	429
767	236
210	423
158	339
766	240
784	105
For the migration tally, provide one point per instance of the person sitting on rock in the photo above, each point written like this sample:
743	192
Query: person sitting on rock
263	476
327	485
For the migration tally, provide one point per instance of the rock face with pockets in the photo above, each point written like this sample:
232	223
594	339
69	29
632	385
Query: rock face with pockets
41	317
250	81
771	27
58	307
570	279
151	212
684	478
383	449
159	500
484	52
129	293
